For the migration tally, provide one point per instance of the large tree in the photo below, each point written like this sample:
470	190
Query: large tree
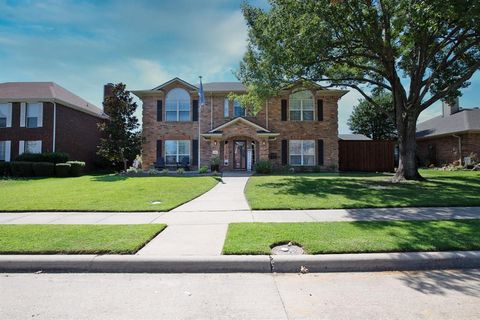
121	141
420	51
375	120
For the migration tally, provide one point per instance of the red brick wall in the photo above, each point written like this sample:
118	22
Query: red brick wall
447	148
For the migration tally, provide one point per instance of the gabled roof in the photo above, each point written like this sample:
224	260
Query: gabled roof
46	92
462	121
260	130
176	79
353	137
223	87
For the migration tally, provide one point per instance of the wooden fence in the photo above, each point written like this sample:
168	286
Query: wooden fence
373	156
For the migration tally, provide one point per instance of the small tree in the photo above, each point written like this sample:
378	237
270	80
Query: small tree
377	120
121	141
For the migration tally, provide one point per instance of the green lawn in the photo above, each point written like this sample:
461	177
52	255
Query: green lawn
328	191
355	237
101	193
76	239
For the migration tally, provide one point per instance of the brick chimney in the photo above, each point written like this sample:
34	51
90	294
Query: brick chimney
449	109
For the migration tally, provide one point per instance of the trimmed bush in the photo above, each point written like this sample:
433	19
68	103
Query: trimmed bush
43	169
263	167
5	169
62	169
76	168
53	157
203	169
21	168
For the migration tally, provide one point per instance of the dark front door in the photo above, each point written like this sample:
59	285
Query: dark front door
240	155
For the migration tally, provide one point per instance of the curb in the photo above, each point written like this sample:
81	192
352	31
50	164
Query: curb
234	264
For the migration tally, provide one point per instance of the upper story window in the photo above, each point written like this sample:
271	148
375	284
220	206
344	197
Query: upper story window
5	115
33	115
301	106
226	108
238	110
177	105
302	152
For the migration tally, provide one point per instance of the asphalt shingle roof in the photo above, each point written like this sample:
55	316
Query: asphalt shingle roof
464	120
352	136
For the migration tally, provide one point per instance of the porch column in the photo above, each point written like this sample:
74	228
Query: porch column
264	149
215	144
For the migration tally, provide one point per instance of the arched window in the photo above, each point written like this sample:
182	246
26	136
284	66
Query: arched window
177	105
301	106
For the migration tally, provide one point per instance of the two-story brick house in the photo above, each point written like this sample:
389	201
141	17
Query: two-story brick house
38	117
297	128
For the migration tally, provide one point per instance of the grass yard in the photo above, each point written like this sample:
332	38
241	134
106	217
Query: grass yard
341	190
76	239
355	237
101	193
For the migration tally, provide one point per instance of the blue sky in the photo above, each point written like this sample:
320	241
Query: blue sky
82	45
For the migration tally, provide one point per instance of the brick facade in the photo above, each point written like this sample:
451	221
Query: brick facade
212	116
445	149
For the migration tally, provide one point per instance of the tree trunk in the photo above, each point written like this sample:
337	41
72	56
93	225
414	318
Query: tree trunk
407	165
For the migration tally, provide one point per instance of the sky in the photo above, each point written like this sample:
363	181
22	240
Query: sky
81	45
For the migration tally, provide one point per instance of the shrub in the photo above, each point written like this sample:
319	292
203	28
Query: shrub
180	171
263	167
5	169
76	168
132	170
21	168
203	169
165	171
62	169
53	157
43	169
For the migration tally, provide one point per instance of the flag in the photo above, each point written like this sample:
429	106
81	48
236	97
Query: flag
201	95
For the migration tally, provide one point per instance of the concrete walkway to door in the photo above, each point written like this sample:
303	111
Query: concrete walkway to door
206	239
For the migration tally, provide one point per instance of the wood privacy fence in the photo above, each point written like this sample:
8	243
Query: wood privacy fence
375	155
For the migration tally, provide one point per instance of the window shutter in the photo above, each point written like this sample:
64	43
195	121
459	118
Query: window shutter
320	152
22	114
9	115
40	116
159	110
21	147
195	152
284	110
284	152
159	149
8	146
320	109
195	110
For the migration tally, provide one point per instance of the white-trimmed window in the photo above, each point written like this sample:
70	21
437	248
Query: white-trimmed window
5	115
301	106
302	152
226	108
31	115
5	147
238	110
31	146
177	105
177	151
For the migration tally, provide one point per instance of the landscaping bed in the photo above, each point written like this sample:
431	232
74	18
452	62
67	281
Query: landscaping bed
354	237
101	193
362	190
76	239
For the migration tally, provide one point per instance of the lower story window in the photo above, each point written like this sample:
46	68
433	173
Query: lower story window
32	146
302	152
4	150
177	151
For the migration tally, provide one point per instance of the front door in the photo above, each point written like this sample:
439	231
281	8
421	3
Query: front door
239	155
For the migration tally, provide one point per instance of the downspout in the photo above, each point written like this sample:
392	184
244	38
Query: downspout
266	111
211	110
459	146
54	136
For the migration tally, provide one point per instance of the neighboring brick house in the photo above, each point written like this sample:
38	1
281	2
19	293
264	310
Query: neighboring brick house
298	128
452	136
40	117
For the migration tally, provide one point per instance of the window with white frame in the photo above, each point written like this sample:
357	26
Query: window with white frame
177	151
301	106
238	110
32	146
33	114
177	105
5	147
302	152
226	108
5	115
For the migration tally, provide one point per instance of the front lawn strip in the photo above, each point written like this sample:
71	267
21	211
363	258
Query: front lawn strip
362	190
355	237
76	239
